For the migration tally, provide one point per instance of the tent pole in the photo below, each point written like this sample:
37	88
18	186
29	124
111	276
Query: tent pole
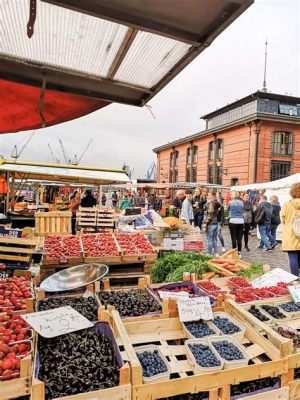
8	192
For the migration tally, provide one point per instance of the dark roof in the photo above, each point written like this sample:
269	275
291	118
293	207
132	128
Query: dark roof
254	96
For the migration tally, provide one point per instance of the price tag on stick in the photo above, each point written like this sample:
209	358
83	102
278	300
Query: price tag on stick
56	322
194	309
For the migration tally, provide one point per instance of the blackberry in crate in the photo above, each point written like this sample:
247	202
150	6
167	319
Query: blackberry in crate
226	326
151	362
257	314
273	311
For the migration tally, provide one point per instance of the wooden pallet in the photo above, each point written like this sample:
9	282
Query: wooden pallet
169	335
20	386
105	218
53	223
17	250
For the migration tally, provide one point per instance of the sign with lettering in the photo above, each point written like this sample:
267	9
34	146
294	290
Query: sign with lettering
173	295
10	233
273	277
194	309
56	322
295	292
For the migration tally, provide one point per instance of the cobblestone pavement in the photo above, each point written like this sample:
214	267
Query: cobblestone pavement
275	258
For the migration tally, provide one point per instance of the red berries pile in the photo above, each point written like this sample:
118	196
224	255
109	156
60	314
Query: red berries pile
10	359
239	282
58	247
99	245
13	294
134	243
13	328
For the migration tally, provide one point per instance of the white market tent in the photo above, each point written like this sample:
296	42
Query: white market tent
284	183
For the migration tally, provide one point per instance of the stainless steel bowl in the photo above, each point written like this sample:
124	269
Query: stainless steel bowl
74	277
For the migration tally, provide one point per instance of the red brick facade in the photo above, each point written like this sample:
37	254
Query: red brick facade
244	157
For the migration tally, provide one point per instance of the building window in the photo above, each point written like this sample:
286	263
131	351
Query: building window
282	143
279	170
174	158
219	175
189	156
195	154
234	182
289	109
176	176
220	144
171	177
210	174
211	150
188	175
194	174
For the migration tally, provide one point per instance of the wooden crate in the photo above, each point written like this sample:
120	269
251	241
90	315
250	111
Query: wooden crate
53	223
17	250
169	335
239	311
276	394
105	218
86	217
19	386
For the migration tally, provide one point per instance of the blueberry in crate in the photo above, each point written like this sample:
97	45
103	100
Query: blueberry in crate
204	356
151	363
228	350
258	314
290	307
199	329
226	326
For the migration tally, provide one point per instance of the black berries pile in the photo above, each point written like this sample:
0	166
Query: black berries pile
199	329
259	315
252	386
130	303
84	305
151	363
204	356
290	307
77	362
228	350
273	311
227	327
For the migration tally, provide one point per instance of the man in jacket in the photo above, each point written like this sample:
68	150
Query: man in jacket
139	200
263	217
275	220
177	203
88	200
187	213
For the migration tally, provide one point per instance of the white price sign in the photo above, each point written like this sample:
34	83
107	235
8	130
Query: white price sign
56	322
194	309
173	295
273	277
295	293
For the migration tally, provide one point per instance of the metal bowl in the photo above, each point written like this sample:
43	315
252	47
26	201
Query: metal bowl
74	277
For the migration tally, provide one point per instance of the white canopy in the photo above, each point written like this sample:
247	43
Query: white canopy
279	184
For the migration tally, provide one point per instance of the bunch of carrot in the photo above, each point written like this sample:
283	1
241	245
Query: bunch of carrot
223	267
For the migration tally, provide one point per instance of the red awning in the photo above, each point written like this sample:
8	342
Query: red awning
20	105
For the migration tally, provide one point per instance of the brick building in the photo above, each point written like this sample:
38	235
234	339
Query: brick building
255	139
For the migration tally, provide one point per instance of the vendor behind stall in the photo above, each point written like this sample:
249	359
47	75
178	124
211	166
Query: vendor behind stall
88	199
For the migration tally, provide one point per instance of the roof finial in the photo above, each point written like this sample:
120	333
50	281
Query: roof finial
264	89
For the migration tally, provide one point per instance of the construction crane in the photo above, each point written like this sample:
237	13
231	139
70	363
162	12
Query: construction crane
151	171
55	160
128	170
79	158
66	158
15	153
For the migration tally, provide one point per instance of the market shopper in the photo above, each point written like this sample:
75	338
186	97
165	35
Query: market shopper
290	217
114	199
176	204
236	220
103	199
88	199
262	217
125	202
139	200
199	200
275	219
248	218
211	223
187	213
220	221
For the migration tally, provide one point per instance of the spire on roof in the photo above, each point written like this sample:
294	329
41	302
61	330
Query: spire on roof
264	88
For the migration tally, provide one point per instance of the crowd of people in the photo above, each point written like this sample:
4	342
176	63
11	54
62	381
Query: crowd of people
209	210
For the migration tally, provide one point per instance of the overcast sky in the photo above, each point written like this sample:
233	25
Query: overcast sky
231	68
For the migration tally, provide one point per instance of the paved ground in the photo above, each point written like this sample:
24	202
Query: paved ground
275	258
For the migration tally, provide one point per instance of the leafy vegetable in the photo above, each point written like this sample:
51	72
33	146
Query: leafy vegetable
199	267
168	264
255	269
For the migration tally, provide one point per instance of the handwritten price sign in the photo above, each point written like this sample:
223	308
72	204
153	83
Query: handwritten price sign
173	295
194	309
56	322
